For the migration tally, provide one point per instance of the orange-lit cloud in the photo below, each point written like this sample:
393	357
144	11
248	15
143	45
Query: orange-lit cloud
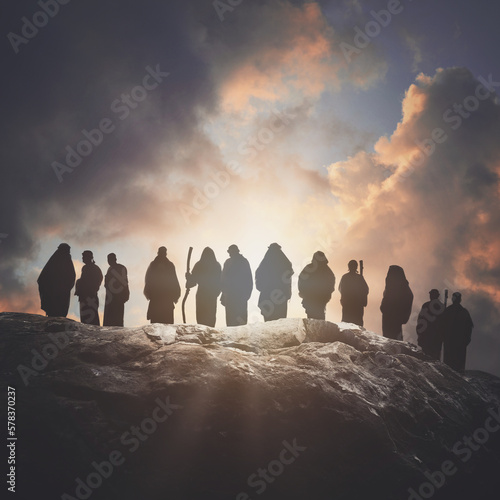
437	216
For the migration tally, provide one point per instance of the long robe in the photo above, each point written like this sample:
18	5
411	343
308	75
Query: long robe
396	304
55	283
87	287
353	297
207	275
162	289
117	293
457	327
273	279
429	328
237	286
316	285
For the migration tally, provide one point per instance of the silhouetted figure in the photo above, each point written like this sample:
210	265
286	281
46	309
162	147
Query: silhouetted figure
457	328
206	274
353	295
237	286
429	326
56	281
273	279
162	289
86	289
316	285
396	304
117	292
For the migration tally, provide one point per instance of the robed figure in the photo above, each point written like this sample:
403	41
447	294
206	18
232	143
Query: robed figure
396	303
86	289
161	288
353	295
316	285
56	281
457	328
430	326
117	292
206	274
273	279
237	286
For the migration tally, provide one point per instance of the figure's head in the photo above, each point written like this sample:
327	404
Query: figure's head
87	257
64	247
353	266
111	259
208	254
162	252
434	294
456	298
233	250
395	275
320	257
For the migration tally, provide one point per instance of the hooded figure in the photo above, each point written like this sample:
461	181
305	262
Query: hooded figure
457	327
161	288
206	274
56	281
353	295
273	281
236	286
86	289
396	303
117	292
316	285
429	326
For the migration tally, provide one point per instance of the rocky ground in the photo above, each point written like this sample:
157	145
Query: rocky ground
290	409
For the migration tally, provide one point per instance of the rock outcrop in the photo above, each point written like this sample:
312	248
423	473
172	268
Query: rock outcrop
290	409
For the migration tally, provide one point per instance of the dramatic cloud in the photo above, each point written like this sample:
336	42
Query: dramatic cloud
117	129
428	197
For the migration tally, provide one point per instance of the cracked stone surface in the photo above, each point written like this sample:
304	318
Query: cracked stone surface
371	416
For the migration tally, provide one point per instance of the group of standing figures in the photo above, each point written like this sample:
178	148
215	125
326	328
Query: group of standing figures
57	279
440	329
437	326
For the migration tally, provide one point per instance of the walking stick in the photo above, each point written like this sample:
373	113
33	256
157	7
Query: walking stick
187	289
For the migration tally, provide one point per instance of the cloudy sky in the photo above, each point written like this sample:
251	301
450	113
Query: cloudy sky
366	129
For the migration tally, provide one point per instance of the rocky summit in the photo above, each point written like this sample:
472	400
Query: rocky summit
289	409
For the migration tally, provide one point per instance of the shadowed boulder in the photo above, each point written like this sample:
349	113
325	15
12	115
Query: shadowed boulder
288	409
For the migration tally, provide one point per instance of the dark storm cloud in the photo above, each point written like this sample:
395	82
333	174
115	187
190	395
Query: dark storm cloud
65	80
71	75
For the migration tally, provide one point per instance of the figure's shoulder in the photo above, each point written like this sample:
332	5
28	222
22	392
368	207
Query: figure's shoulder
307	269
